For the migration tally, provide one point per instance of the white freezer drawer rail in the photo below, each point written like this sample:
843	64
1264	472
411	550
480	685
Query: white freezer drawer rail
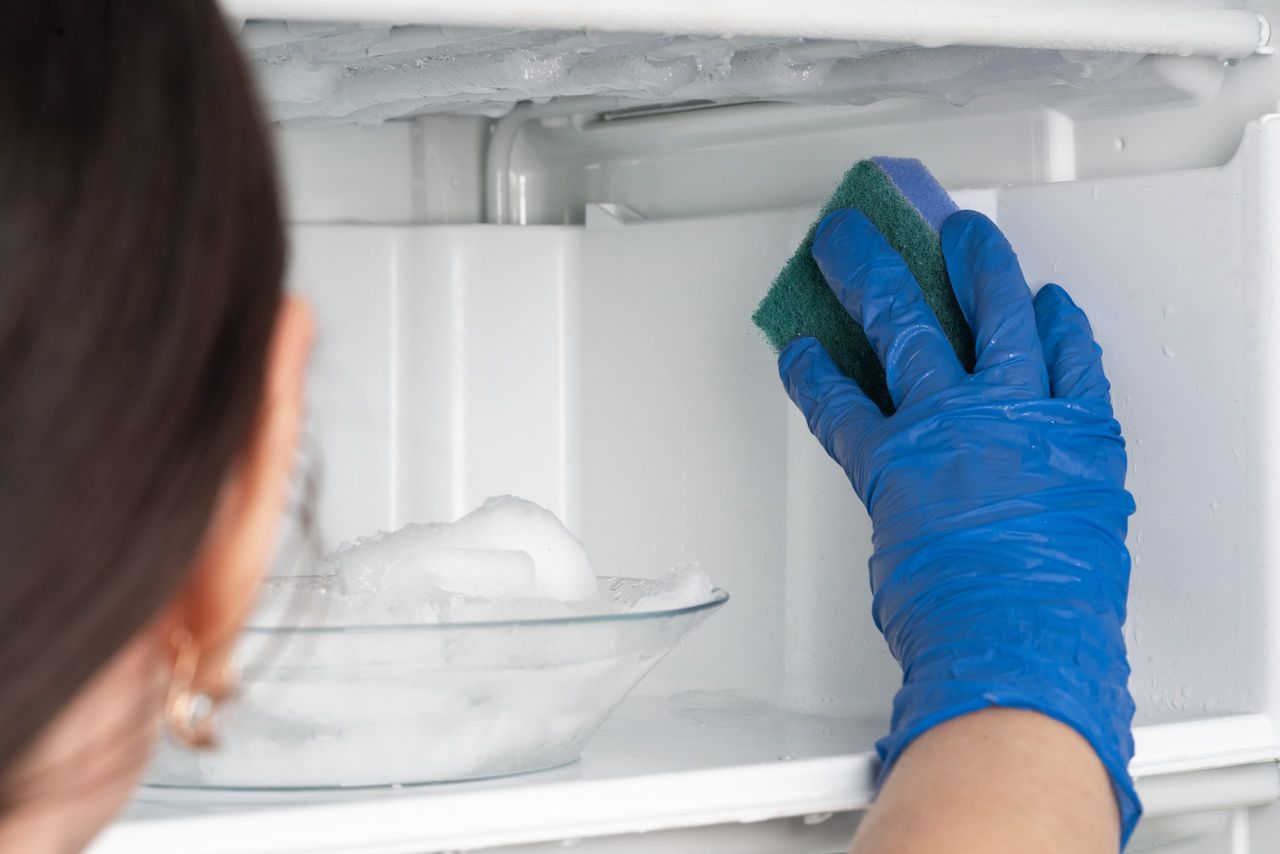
1207	766
1137	26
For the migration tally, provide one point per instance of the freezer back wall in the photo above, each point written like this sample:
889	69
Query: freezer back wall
611	373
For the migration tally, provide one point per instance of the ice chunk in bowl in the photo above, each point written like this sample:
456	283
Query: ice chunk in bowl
506	548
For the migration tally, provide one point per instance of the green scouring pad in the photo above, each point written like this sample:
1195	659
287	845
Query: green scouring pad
906	203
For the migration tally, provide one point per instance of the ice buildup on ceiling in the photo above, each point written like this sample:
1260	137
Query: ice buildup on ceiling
371	73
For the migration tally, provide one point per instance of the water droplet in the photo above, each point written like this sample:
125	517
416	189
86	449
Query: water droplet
1168	311
1168	351
1093	192
1215	504
1119	143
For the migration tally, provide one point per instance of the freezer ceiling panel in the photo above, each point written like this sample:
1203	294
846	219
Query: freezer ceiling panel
369	73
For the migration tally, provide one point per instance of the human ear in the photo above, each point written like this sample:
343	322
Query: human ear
200	626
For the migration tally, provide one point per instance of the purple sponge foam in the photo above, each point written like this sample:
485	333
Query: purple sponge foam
919	187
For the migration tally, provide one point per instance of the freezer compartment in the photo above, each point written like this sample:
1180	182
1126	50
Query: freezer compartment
610	372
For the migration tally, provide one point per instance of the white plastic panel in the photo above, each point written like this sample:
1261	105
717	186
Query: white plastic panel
485	377
352	401
682	435
348	174
1182	300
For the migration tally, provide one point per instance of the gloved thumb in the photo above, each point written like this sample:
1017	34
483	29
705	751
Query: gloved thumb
1071	354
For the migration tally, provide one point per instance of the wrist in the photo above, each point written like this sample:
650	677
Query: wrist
1011	632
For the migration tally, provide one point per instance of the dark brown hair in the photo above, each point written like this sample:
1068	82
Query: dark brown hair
141	257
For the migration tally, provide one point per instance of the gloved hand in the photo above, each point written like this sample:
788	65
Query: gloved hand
997	498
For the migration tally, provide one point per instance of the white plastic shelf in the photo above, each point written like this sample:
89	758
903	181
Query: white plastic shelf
692	761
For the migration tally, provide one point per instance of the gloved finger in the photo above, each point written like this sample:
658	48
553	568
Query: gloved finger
874	285
1073	356
995	300
838	411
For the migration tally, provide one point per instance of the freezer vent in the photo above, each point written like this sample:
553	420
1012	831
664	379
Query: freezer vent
369	74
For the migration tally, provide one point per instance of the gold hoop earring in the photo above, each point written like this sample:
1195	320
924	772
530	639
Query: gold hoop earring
189	713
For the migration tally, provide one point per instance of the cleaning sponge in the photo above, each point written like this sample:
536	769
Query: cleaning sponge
904	201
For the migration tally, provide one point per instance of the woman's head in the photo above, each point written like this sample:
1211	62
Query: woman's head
150	366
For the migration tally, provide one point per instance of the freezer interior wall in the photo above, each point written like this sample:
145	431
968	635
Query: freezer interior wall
611	373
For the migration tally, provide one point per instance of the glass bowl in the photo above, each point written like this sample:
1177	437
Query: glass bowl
352	706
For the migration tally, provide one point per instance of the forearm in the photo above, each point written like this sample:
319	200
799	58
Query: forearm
994	781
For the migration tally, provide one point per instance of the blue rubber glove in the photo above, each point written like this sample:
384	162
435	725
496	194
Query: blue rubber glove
997	498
